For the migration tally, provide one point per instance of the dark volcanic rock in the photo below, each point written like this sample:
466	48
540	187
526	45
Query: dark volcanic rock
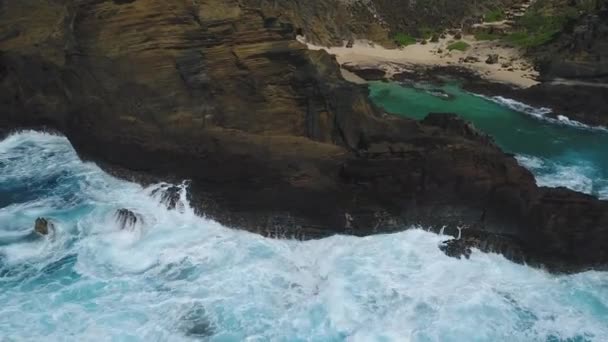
169	196
368	74
43	226
485	242
127	219
270	135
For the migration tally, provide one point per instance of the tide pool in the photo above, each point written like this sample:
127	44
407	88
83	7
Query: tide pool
559	152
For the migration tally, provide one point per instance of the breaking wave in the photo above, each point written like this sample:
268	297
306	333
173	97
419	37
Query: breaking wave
540	113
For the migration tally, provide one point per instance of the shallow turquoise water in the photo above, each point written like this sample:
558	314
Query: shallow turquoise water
179	277
559	152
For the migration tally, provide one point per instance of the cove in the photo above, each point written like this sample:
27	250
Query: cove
559	152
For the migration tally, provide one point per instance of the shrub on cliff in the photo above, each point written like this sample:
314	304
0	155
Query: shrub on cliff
403	39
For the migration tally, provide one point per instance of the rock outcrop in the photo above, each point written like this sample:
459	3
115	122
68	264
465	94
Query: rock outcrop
43	226
127	219
271	136
170	196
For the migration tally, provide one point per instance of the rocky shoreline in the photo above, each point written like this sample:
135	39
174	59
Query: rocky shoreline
271	137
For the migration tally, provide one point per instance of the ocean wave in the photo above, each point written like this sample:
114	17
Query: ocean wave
540	113
183	277
577	176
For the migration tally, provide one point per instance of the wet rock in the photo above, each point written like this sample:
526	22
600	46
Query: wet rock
458	36
127	219
424	42
169	196
492	59
350	43
435	38
458	248
43	226
486	242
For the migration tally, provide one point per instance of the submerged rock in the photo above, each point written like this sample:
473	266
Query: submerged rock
43	226
195	322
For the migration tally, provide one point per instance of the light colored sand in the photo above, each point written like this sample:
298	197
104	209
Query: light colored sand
364	53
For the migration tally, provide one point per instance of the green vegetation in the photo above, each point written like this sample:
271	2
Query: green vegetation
487	36
546	19
426	32
495	15
460	46
404	39
538	29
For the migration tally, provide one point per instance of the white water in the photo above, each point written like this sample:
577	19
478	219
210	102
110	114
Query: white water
541	113
94	282
579	177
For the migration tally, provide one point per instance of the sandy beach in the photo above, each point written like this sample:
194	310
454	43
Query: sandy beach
511	68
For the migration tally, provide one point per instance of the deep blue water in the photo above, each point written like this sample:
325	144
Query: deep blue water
179	277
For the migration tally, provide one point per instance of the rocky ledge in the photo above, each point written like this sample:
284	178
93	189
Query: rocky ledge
270	135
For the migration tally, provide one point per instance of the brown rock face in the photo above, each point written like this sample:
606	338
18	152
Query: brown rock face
271	136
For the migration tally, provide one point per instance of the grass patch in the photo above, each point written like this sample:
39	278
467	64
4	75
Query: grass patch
460	46
404	39
487	36
426	32
495	15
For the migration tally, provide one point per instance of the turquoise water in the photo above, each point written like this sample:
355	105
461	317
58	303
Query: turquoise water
560	152
179	277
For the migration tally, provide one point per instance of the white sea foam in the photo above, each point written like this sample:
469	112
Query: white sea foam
184	273
540	113
579	176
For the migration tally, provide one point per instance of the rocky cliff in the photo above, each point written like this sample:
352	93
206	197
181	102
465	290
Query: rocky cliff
271	136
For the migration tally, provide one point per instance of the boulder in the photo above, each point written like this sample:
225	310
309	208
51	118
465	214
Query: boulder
492	59
43	226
